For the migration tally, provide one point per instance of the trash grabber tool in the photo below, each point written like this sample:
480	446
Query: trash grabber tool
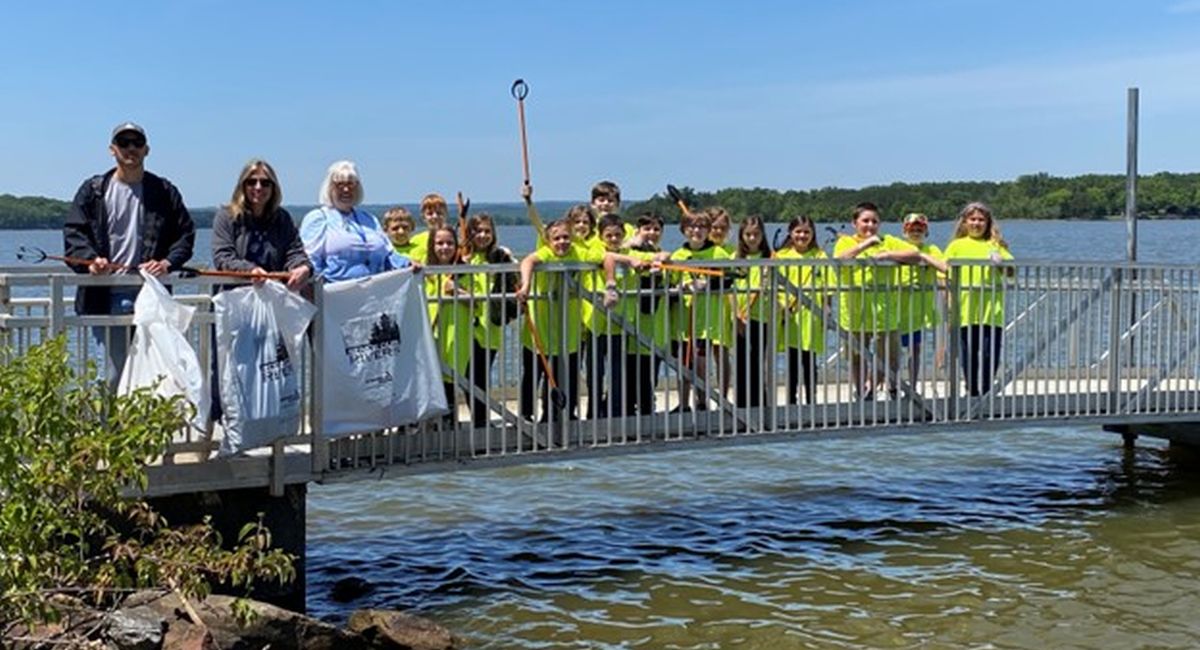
557	396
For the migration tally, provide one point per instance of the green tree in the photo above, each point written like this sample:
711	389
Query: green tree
69	450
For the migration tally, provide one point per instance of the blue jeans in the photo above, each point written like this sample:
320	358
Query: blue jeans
113	342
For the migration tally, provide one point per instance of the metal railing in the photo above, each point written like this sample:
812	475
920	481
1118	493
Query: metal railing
770	347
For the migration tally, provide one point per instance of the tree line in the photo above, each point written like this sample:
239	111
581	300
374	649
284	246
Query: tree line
1032	196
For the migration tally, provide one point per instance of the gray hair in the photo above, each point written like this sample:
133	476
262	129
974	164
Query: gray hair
342	170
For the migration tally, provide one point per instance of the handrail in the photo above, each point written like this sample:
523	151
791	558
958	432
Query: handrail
1092	340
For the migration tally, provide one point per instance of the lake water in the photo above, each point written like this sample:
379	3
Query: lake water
1023	538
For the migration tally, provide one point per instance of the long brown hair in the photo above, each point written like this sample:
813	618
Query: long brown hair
473	223
764	247
804	220
430	258
237	203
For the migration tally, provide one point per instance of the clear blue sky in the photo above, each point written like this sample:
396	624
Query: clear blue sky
706	94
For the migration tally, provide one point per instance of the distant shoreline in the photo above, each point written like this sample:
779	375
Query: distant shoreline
1090	197
207	225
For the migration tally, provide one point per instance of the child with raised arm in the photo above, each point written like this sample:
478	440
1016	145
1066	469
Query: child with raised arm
753	313
918	292
453	320
980	293
868	299
701	325
803	334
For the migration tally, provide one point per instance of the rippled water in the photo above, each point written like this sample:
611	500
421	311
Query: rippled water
1017	539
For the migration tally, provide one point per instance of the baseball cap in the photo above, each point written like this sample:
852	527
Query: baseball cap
127	126
915	219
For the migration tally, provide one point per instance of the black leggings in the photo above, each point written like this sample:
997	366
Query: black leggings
606	389
566	376
801	362
981	356
641	373
481	365
749	364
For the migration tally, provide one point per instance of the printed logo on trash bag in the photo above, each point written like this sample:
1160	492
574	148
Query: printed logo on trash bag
281	366
371	338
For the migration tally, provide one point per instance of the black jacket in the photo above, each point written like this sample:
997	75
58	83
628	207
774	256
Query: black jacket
272	243
166	231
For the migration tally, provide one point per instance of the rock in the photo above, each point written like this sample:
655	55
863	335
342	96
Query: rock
184	636
399	631
348	589
279	628
136	628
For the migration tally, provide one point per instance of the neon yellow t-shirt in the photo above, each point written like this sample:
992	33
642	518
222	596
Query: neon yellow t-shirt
453	321
706	313
489	335
412	250
420	246
918	293
590	250
559	326
803	327
867	297
748	289
980	287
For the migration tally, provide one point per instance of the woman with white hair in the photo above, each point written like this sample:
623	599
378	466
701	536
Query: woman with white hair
342	241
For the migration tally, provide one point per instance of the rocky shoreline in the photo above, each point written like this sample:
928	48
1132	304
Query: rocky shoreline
156	620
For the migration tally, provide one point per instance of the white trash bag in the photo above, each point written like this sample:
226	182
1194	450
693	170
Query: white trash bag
260	330
161	355
380	367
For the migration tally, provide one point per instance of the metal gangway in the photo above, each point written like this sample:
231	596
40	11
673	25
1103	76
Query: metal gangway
1103	344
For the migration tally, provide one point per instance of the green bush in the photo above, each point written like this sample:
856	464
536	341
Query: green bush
69	449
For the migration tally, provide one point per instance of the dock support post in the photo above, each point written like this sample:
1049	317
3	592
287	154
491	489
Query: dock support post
285	516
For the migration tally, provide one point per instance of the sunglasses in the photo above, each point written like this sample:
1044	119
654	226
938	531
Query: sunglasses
131	141
259	182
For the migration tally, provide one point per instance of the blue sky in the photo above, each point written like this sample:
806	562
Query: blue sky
706	94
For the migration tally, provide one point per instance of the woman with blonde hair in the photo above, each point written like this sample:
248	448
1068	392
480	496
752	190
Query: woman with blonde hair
253	233
343	241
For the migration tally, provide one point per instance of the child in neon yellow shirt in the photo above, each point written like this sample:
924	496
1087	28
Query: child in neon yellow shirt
803	335
453	319
868	299
754	314
980	293
918	292
492	314
701	325
433	211
648	312
399	225
557	324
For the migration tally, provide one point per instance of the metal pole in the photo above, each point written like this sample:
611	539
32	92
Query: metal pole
1131	148
1131	134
